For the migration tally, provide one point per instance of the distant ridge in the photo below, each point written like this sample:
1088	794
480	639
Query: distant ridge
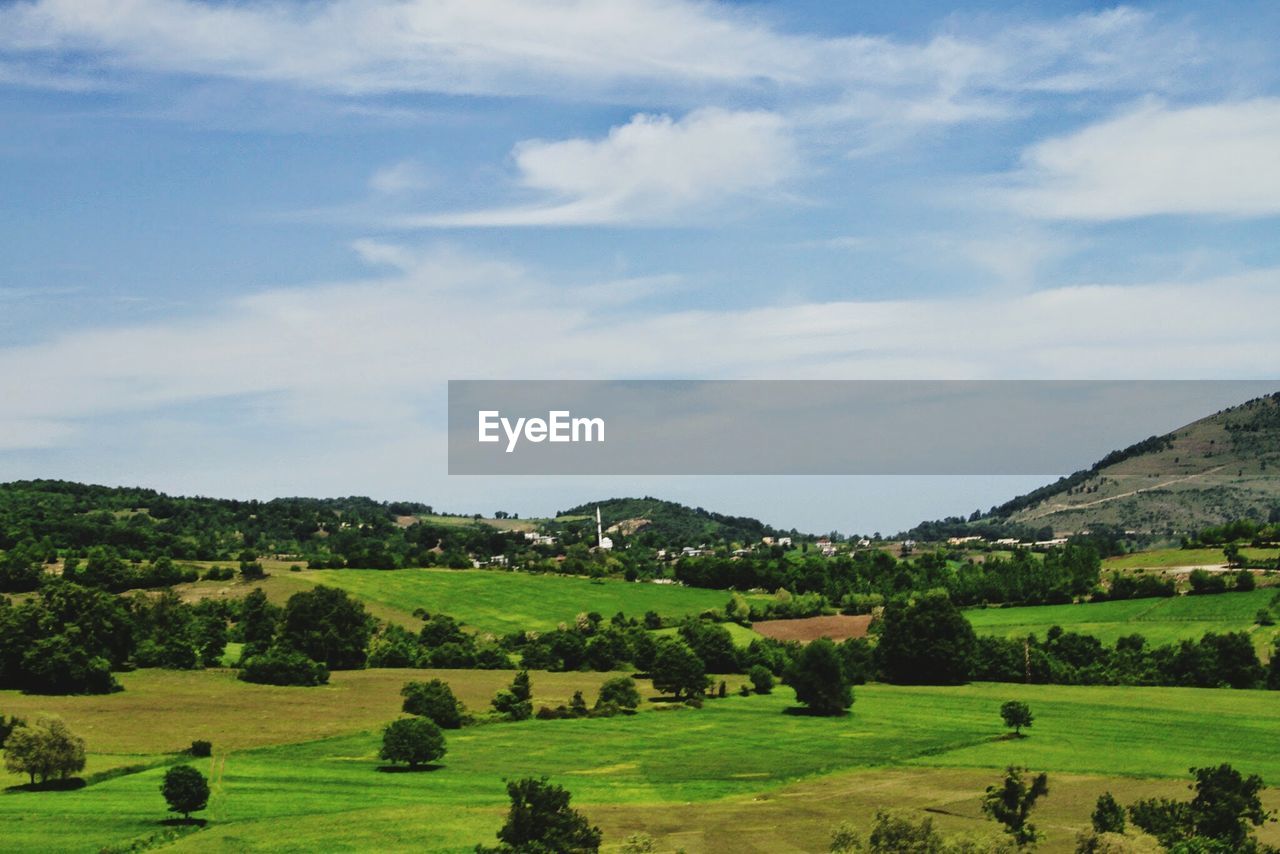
1222	467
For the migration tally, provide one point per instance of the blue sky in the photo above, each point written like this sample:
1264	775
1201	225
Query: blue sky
246	244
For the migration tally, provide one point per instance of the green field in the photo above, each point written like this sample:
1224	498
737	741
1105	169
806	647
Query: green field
686	776
1159	620
1165	558
501	602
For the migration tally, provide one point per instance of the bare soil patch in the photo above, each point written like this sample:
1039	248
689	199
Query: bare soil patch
837	628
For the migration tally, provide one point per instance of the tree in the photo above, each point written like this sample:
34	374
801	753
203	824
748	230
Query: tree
541	821
619	693
578	705
412	740
258	622
1016	715
926	642
516	702
1108	816
761	678
678	671
1010	803
328	626
819	679
434	700
185	790
1226	804
44	750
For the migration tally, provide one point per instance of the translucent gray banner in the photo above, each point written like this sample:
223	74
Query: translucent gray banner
677	427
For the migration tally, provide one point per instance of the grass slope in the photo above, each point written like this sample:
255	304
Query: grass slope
501	602
1159	620
673	772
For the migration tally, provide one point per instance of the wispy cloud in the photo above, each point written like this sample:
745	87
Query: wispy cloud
649	170
385	362
1212	159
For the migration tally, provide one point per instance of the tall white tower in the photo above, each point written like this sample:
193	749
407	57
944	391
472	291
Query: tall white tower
602	541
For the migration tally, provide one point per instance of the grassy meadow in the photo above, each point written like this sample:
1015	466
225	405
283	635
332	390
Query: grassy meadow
738	774
1167	558
1159	620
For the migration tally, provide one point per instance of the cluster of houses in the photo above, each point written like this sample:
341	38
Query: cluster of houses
1007	541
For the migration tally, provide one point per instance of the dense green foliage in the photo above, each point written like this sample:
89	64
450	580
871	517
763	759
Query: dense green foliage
668	524
1224	811
44	750
541	821
280	666
677	670
819	678
185	790
434	700
414	741
925	642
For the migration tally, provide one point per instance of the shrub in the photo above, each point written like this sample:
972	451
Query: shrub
434	700
413	741
283	667
620	692
515	702
201	748
761	679
185	790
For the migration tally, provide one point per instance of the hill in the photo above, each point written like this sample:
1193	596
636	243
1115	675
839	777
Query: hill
1214	470
657	523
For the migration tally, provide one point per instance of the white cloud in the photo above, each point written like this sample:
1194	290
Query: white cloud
669	51
649	170
1215	159
448	316
395	179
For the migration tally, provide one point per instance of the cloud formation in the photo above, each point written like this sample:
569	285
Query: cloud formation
648	170
1212	159
449	316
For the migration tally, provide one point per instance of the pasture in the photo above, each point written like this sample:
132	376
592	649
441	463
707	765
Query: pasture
738	774
1159	620
1167	558
501	602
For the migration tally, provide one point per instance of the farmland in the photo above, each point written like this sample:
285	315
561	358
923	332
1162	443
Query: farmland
1168	558
502	602
1159	620
679	775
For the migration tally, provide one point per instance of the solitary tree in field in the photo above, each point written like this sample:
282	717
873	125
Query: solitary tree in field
819	679
541	820
412	740
1016	715
185	790
44	750
1010	801
761	678
620	693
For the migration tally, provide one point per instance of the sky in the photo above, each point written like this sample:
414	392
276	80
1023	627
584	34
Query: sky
246	245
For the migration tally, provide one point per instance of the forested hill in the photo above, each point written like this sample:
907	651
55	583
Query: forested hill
658	523
45	518
1215	470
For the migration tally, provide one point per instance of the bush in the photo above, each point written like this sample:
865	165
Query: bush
434	700
515	702
185	790
413	741
1108	816
201	748
620	692
283	667
761	679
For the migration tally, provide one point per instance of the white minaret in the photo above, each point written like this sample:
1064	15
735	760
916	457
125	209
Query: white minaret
602	542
